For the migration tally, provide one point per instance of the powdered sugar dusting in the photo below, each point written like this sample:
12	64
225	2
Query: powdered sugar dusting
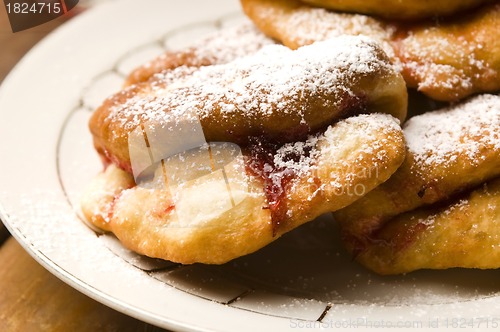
275	81
304	158
461	131
324	162
436	62
315	24
297	156
218	47
305	25
429	221
231	43
225	45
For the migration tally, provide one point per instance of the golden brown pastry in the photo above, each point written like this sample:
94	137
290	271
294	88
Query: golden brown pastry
230	209
221	46
447	60
455	58
101	193
449	151
399	9
296	24
279	94
462	233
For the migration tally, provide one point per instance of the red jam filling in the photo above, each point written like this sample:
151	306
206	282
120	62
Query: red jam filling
260	162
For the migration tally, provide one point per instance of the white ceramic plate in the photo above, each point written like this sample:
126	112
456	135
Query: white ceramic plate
304	280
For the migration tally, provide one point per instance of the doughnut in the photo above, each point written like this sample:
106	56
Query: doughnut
446	60
226	210
399	9
463	233
449	151
277	94
221	46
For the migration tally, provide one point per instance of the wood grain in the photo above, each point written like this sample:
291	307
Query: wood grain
32	299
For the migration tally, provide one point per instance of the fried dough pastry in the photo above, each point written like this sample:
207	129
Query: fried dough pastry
448	151
219	47
464	233
101	193
295	24
447	60
279	94
452	59
268	192
399	9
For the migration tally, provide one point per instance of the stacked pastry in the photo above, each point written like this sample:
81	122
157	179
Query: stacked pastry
211	156
441	208
448	58
216	150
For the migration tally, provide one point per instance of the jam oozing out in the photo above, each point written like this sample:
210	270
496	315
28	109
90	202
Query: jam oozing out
260	162
260	154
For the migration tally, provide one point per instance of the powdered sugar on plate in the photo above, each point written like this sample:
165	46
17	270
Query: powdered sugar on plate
231	43
221	46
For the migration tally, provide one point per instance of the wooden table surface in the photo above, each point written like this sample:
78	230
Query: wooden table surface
32	299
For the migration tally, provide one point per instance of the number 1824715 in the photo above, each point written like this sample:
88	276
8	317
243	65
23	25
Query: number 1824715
34	8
